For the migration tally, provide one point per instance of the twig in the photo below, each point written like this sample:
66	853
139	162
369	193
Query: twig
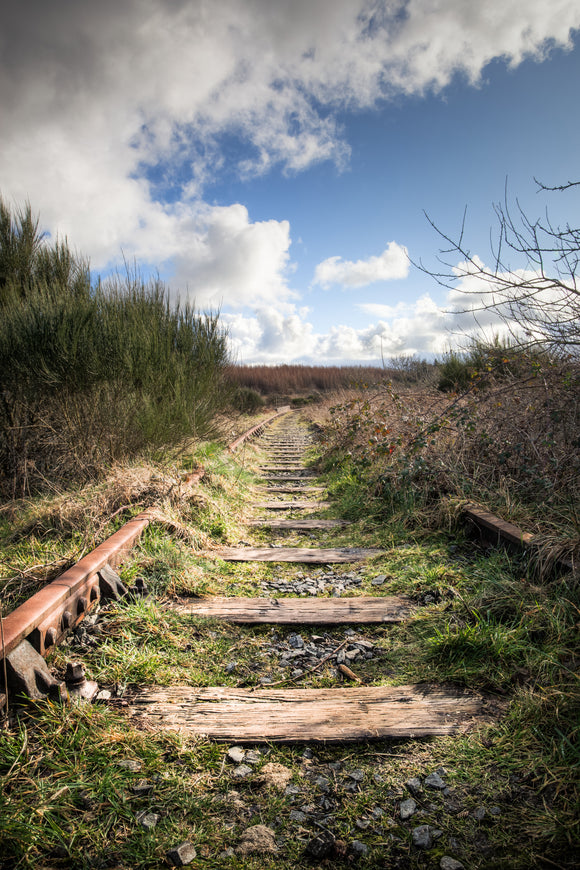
4	659
348	673
310	670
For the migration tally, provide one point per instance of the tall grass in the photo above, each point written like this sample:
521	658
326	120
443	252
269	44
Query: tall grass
93	373
287	379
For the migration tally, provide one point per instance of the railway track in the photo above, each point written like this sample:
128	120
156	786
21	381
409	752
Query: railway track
290	489
334	714
307	704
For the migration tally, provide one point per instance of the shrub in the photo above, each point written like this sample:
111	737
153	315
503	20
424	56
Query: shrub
247	401
456	373
89	374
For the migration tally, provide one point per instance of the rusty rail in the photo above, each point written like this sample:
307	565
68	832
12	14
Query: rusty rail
49	614
62	604
57	608
257	429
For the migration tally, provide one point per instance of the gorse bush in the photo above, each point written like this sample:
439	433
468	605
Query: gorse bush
246	400
91	374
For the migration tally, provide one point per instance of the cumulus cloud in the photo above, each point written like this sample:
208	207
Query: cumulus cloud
423	327
393	263
271	335
223	258
107	107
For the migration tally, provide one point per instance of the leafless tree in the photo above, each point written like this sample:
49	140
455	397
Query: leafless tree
539	300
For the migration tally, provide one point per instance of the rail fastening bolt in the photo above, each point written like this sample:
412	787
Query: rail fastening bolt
74	674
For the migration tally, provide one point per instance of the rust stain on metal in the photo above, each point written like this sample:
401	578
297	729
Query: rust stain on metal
48	614
255	430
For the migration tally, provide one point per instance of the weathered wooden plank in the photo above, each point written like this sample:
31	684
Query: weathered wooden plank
290	468
295	554
298	715
303	611
289	490
300	525
500	528
282	477
291	505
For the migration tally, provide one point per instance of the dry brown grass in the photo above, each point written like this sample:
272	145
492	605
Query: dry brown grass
289	380
509	442
126	489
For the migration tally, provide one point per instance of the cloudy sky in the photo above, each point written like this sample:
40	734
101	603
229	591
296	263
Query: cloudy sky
274	158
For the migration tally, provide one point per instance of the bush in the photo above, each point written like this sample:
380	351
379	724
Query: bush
456	373
510	440
247	401
90	374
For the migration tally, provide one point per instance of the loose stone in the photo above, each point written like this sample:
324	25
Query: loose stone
236	754
241	771
414	785
141	788
296	641
422	837
358	849
130	764
182	854
322	845
434	781
407	809
358	775
447	863
148	820
253	756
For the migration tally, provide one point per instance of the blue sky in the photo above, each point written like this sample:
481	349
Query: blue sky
275	159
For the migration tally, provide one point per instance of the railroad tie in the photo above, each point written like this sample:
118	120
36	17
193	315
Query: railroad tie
261	714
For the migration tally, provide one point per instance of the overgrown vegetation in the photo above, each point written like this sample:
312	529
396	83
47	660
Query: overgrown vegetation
286	380
501	430
496	424
482	621
90	372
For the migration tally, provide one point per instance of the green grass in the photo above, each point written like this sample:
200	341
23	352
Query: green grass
491	625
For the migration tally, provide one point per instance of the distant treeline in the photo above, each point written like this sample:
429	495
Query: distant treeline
302	379
92	373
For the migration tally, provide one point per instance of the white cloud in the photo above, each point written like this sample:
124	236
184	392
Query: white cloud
222	257
270	335
94	95
393	263
421	327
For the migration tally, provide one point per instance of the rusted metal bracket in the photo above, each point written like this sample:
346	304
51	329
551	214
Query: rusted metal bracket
110	584
57	608
29	675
